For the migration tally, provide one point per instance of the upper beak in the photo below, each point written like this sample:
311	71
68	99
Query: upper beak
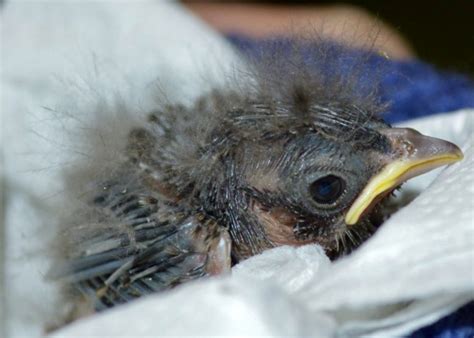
413	154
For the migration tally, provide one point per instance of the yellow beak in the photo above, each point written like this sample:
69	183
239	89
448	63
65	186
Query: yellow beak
413	154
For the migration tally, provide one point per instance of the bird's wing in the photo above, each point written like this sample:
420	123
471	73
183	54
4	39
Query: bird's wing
149	255
130	241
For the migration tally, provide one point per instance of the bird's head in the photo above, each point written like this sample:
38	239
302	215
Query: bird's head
279	178
297	156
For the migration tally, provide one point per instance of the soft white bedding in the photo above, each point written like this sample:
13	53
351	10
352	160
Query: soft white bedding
417	268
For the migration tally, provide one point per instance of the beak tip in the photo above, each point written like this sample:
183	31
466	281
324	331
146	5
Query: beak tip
429	153
454	154
459	154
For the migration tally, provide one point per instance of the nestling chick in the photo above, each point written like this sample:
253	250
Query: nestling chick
295	154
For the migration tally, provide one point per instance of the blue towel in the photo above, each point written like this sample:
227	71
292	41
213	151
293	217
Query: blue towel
412	89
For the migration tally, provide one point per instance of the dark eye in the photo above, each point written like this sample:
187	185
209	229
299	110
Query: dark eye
327	189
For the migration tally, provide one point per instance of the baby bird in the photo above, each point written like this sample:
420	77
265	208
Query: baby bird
296	153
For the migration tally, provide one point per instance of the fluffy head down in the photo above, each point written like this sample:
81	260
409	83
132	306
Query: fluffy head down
246	155
276	157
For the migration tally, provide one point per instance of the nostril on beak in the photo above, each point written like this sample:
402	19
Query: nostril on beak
412	154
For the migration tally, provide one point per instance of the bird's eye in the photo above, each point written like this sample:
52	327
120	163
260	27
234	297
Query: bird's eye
327	189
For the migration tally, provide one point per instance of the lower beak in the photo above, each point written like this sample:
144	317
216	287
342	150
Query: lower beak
413	154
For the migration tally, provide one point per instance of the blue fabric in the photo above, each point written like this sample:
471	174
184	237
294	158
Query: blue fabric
459	324
413	89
